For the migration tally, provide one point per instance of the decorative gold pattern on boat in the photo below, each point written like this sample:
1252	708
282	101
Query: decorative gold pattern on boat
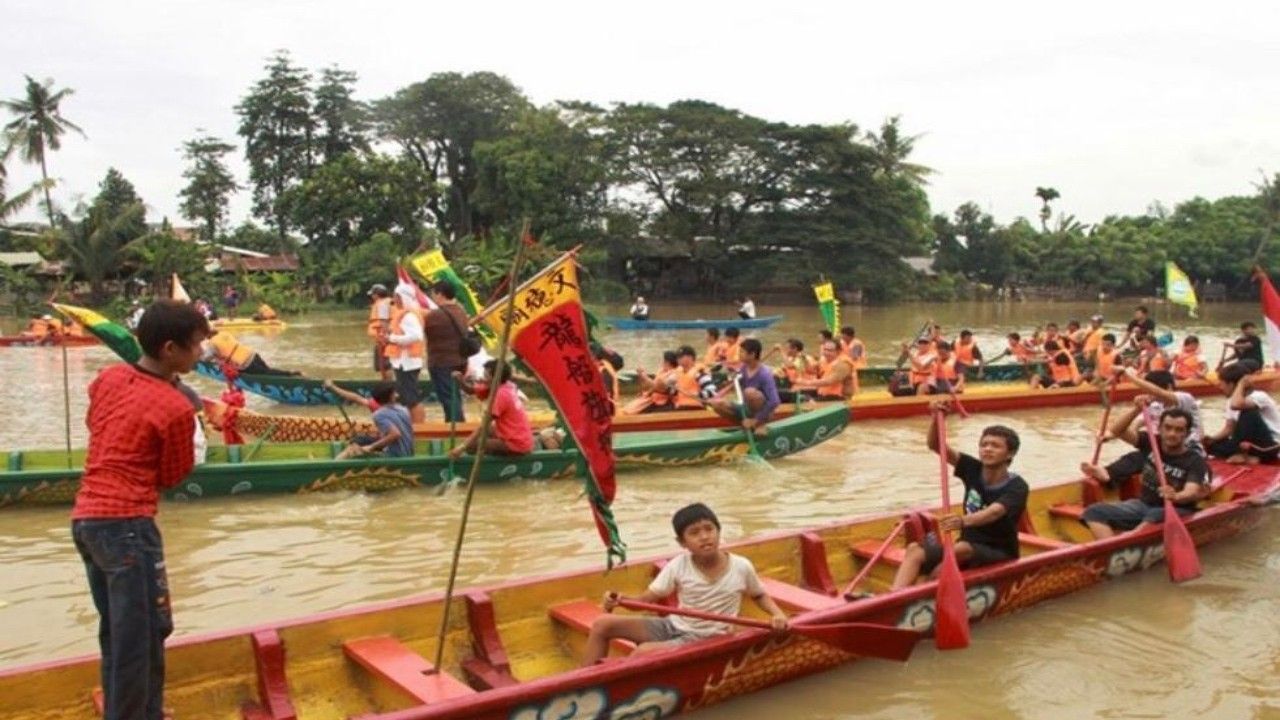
46	493
768	663
370	479
1048	582
718	454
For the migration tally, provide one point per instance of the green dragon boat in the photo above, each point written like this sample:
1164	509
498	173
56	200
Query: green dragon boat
298	390
42	477
1000	372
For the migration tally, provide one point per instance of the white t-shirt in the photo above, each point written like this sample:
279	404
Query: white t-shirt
411	329
1187	402
724	596
748	308
1266	406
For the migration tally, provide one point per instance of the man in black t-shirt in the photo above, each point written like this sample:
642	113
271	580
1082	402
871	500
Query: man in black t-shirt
1139	327
994	500
1185	469
1248	346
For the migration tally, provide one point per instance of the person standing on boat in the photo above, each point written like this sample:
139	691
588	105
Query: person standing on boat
1185	469
377	327
703	577
407	349
140	442
1139	327
446	327
759	393
994	500
395	428
1252	430
746	308
640	309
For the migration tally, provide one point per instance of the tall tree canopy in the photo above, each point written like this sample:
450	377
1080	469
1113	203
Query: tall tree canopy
209	184
37	128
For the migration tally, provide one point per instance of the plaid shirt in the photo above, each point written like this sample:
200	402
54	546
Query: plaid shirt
140	442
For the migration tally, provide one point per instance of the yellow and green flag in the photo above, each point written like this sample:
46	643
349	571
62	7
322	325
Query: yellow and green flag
433	267
1178	288
117	337
828	305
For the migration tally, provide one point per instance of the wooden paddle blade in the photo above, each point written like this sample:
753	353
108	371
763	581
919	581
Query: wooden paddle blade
865	639
1179	549
951	631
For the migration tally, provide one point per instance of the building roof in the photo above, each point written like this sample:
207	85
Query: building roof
268	263
20	259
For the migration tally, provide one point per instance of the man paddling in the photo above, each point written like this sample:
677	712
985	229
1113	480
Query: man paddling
759	393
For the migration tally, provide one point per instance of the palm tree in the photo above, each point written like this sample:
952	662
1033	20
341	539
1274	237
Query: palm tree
1046	194
98	242
892	148
37	127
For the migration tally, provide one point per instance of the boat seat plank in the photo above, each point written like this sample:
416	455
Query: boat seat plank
1071	511
795	598
1041	542
390	660
579	614
865	549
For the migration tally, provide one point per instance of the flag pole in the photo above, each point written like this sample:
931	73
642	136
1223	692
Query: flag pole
66	401
481	437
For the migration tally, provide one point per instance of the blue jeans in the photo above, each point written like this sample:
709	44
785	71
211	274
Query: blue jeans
124	560
447	391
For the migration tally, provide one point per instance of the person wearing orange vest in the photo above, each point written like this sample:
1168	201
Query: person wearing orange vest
795	363
935	337
923	362
717	349
837	378
1092	339
223	347
948	373
853	347
1150	356
1062	368
407	349
265	313
967	352
658	390
733	348
378	325
688	376
1188	365
37	327
1107	360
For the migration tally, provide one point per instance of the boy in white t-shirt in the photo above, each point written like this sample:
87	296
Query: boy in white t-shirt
1251	433
704	577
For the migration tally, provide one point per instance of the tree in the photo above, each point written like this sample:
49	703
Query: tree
437	124
209	184
94	244
892	149
1046	194
37	128
1269	199
161	254
116	195
343	121
278	129
10	204
249	236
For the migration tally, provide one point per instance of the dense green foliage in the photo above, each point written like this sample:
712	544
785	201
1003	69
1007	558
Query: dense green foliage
209	184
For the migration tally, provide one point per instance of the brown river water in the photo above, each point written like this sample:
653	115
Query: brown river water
1138	647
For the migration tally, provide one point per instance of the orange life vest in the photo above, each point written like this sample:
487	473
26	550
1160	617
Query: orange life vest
55	326
964	353
228	349
717	353
377	324
1157	361
687	387
38	327
265	312
846	388
1062	374
733	353
1092	341
1021	352
1106	363
922	367
861	360
1188	365
797	367
660	394
946	369
413	350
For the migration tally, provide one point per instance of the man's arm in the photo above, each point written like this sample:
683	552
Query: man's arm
1168	397
1122	427
392	435
347	395
1240	396
412	331
771	400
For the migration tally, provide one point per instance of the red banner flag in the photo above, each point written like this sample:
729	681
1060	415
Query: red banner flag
549	334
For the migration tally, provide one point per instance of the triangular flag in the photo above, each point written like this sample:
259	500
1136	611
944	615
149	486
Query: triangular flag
405	278
1178	288
1270	311
114	336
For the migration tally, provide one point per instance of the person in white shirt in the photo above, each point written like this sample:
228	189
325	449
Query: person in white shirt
1251	432
704	577
746	308
1159	392
639	309
405	335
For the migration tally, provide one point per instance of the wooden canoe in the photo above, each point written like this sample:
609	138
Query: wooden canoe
871	405
511	649
41	477
248	324
298	390
62	340
626	323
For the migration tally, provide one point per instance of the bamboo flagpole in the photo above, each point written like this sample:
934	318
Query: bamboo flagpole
66	402
500	356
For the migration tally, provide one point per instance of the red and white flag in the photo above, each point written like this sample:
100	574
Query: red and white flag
403	276
1270	311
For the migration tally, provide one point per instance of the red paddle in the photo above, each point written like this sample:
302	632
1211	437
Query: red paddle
1179	549
951	632
866	639
875	558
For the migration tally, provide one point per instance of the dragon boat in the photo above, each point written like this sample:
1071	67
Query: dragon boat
44	476
871	405
60	341
511	649
298	390
623	323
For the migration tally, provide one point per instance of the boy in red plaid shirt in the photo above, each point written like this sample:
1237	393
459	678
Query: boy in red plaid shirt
140	442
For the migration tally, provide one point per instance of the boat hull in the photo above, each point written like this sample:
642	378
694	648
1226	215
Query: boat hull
520	660
294	390
41	478
621	323
249	324
65	341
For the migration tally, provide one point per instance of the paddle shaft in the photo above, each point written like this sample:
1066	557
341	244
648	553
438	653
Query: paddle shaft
875	558
1102	427
1179	548
907	353
742	414
951	630
351	426
271	429
482	436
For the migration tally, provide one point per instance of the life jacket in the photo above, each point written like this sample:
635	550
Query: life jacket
687	387
55	326
964	353
1188	365
1106	362
38	327
266	312
414	350
860	361
377	325
229	350
75	329
1156	361
660	395
733	353
921	370
717	353
1062	374
1021	352
845	389
946	369
797	367
1092	341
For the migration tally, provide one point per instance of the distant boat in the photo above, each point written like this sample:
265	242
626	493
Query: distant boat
620	323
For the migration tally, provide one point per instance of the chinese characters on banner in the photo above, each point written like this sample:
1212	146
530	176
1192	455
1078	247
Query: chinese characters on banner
549	334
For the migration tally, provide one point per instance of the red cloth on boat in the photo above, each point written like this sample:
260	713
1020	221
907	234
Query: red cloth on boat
234	400
141	431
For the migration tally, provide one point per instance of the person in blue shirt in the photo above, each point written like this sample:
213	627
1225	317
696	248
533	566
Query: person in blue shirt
395	428
759	392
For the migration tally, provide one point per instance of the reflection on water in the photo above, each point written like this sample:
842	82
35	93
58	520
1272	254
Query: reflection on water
1138	647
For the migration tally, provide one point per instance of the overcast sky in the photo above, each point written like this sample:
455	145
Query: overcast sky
1115	104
